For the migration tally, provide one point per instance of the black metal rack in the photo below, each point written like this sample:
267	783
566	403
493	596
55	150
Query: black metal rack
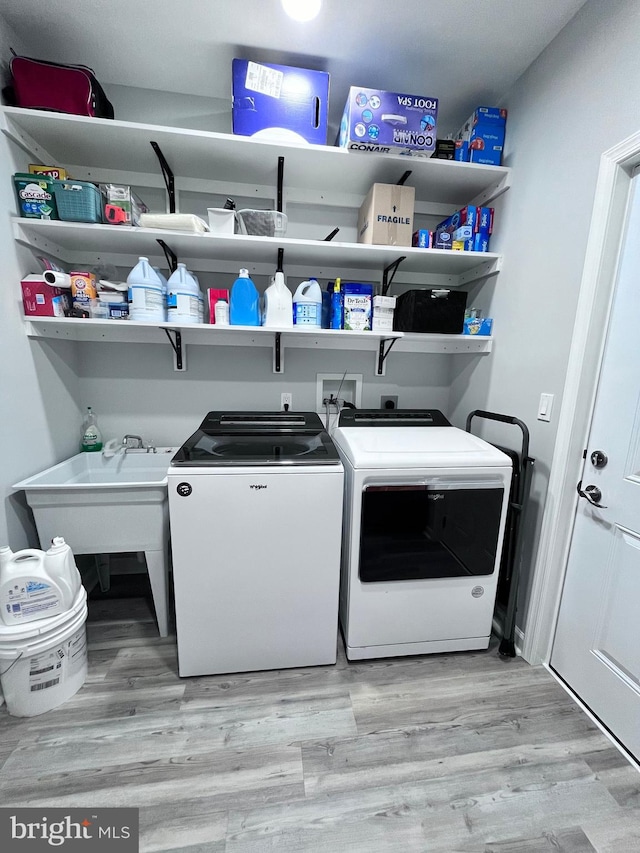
510	564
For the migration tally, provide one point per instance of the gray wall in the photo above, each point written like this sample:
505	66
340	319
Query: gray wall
38	413
578	99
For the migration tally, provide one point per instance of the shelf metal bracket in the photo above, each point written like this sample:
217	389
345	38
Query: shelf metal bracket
168	176
404	178
382	353
280	182
170	255
278	354
280	259
179	353
389	273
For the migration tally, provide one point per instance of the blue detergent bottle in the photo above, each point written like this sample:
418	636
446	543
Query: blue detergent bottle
244	304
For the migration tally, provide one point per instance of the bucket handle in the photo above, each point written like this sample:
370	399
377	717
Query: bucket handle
11	665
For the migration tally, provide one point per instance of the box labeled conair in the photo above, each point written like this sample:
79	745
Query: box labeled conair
386	215
383	122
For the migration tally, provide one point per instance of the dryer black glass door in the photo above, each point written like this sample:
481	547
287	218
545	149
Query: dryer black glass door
421	531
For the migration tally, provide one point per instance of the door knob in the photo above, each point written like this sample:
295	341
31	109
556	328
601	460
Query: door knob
599	459
592	494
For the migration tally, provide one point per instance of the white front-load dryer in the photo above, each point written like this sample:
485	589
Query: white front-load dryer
424	517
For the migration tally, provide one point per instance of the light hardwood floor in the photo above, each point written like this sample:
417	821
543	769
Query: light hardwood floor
459	753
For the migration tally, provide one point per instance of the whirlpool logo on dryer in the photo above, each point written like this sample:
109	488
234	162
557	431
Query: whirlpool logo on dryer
258	486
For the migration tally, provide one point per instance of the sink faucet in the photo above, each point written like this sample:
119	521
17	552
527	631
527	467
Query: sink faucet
132	442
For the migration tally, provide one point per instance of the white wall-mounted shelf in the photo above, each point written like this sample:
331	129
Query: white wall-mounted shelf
125	147
128	331
79	242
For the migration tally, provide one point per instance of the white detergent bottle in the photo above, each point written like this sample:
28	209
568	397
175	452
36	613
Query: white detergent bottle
278	303
183	297
307	304
146	296
35	585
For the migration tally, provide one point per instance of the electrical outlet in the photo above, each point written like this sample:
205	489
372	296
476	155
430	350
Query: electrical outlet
388	402
286	401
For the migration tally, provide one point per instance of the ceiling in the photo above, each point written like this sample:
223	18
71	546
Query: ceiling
466	53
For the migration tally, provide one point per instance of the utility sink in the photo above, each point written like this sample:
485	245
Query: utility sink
108	505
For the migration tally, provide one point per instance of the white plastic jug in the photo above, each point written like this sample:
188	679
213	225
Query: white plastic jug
278	303
37	584
146	294
184	300
307	304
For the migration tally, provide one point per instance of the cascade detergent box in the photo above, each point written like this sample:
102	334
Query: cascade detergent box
279	103
379	121
386	215
36	199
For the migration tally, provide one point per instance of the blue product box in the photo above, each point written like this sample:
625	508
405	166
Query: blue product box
477	326
478	243
442	239
479	218
279	103
497	115
422	238
461	153
379	121
464	232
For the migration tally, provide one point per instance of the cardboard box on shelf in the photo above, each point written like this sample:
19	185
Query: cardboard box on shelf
40	299
279	103
383	122
386	215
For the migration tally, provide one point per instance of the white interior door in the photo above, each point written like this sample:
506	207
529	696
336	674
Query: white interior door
597	643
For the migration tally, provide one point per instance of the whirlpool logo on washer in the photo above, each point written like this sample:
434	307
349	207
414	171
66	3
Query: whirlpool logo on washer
435	496
258	486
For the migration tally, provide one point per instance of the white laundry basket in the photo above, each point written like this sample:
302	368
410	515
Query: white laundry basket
44	663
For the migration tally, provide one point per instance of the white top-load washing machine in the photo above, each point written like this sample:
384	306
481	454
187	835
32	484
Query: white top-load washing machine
255	504
424	518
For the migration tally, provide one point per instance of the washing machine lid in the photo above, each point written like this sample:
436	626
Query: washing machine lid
416	447
258	438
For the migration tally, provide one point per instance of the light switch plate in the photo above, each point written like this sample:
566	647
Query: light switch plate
544	407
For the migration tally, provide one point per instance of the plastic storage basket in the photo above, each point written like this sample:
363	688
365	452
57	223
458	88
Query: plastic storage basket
78	201
262	223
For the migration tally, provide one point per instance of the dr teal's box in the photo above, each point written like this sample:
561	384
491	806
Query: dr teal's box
280	103
375	120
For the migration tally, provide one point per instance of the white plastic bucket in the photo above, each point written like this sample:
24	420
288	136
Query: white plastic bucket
44	663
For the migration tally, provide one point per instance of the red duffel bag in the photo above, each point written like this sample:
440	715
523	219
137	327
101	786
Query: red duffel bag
41	85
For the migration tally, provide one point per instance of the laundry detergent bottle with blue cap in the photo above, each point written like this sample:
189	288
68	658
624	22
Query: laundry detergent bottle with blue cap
146	294
183	297
37	584
244	304
307	304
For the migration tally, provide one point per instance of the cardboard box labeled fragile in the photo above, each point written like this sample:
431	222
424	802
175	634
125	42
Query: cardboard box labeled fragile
386	215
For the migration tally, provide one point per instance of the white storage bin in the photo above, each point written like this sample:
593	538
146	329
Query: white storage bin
221	220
